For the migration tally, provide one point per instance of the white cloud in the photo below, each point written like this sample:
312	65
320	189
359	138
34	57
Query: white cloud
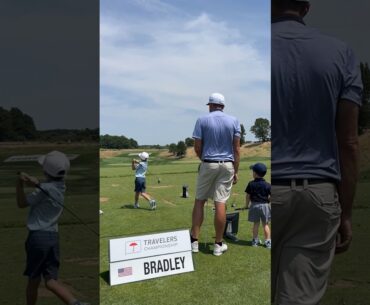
170	67
153	6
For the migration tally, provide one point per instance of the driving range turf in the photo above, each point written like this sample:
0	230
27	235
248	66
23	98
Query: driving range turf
79	247
240	276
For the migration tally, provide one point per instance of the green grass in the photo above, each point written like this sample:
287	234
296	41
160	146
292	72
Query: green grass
240	276
79	247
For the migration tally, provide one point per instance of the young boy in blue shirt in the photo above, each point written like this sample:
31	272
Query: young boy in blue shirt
140	168
258	194
42	245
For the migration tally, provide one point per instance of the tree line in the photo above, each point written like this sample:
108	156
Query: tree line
364	115
117	142
18	126
261	130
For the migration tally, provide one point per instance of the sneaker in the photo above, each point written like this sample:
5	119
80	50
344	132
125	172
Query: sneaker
268	243
255	242
153	204
136	206
195	246
219	250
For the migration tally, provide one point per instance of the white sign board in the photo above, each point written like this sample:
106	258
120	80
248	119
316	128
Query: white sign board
150	267
28	158
149	256
148	245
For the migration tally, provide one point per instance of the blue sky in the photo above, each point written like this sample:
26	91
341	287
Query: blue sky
160	60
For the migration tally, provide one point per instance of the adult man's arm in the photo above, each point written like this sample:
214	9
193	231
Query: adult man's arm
198	147
236	148
347	137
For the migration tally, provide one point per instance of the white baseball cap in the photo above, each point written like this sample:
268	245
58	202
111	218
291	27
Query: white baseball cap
55	164
216	98
144	155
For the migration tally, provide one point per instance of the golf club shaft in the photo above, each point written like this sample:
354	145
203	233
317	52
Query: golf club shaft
67	209
62	205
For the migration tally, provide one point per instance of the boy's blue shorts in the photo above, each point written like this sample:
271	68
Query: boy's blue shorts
259	212
140	185
42	249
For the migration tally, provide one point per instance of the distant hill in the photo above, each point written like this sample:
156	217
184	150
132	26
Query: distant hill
246	151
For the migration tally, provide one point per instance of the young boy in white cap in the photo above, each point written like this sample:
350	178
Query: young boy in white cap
140	167
42	244
258	194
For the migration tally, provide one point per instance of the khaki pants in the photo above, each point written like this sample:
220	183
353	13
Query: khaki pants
215	181
305	222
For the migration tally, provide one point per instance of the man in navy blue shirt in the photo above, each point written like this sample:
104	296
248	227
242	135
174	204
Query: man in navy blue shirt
258	195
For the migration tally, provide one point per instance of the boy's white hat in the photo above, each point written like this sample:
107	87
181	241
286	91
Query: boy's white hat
55	164
144	155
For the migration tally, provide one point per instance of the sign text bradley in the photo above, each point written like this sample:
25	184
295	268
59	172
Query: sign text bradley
164	265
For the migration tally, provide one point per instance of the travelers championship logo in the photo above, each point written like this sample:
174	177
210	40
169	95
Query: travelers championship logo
133	247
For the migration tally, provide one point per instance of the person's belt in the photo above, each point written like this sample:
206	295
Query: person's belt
217	161
288	182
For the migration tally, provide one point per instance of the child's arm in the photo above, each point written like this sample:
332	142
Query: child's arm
21	196
247	200
247	195
134	164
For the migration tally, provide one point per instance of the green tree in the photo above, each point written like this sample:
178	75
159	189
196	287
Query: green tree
189	142
242	134
16	125
172	148
6	130
181	149
364	115
261	129
117	142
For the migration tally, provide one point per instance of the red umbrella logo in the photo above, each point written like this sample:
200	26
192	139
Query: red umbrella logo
133	245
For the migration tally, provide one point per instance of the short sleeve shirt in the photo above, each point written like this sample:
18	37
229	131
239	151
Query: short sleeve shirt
45	210
217	131
141	169
311	72
259	190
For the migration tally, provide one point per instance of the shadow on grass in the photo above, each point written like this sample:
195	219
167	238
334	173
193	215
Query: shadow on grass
131	207
239	242
105	276
205	248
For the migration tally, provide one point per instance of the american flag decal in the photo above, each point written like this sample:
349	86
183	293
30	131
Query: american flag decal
124	271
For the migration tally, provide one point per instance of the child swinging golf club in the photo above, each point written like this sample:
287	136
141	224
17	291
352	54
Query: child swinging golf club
140	167
42	244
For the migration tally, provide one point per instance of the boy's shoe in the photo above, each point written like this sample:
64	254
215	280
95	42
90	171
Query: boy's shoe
219	250
195	246
136	206
255	242
153	204
268	243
